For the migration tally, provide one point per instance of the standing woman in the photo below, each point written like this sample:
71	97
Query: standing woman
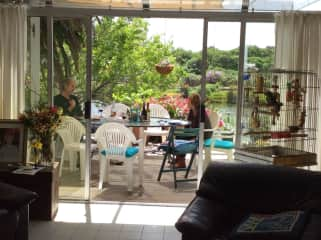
66	100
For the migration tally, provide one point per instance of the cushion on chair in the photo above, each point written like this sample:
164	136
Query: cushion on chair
188	147
218	143
208	142
177	142
223	144
130	151
181	146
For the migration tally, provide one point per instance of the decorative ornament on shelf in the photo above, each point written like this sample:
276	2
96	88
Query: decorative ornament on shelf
42	122
164	67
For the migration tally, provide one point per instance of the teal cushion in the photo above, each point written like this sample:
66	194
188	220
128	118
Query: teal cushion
208	142
223	144
130	151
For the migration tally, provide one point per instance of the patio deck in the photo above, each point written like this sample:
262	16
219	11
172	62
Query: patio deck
152	191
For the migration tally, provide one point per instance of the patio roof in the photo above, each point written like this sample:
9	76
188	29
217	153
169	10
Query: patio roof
179	5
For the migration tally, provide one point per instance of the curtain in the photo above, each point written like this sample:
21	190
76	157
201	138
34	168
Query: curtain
297	47
13	49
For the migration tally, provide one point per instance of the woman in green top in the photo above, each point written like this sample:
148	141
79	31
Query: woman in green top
68	102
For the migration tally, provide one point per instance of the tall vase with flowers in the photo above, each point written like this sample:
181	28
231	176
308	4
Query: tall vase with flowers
42	122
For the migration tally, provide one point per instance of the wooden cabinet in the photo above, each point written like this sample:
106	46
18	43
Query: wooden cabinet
44	183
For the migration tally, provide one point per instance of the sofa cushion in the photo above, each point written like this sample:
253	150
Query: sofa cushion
260	188
287	225
12	197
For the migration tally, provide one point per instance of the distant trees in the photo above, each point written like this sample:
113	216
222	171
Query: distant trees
124	60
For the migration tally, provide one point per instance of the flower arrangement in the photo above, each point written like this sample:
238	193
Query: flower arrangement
176	105
42	122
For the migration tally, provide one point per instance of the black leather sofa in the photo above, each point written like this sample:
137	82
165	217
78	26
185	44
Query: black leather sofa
14	212
230	191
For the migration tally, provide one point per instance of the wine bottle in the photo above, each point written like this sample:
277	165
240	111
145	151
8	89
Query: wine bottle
148	112
144	113
113	110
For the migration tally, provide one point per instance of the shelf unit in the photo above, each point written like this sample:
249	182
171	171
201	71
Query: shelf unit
279	117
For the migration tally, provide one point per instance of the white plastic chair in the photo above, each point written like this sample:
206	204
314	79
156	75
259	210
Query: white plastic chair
214	118
71	131
120	108
156	111
115	141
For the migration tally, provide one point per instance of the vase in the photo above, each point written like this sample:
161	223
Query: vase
35	157
46	152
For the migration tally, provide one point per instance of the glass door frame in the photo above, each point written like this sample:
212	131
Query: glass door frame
88	25
243	17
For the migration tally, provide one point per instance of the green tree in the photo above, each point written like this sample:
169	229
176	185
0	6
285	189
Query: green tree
124	61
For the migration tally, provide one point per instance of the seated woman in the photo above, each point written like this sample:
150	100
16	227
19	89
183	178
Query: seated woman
66	100
194	116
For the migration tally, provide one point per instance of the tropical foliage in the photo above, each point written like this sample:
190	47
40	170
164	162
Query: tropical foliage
124	60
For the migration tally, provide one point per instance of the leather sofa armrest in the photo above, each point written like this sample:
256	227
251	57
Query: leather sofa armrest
12	197
8	224
202	219
3	213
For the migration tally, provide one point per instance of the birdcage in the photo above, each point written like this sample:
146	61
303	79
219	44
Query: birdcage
279	118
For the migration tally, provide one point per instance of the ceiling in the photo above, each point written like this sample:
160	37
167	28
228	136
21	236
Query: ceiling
180	5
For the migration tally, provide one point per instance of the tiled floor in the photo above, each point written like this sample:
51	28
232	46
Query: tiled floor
109	221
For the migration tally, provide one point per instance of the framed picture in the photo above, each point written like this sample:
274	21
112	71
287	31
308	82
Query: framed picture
13	142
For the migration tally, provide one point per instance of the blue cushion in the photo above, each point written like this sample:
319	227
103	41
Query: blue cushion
187	147
208	142
181	146
130	151
177	142
223	144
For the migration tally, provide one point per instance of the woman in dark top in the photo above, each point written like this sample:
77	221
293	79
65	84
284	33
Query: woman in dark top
68	102
194	116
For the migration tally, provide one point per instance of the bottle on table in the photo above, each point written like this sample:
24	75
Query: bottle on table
128	113
148	112
144	113
113	110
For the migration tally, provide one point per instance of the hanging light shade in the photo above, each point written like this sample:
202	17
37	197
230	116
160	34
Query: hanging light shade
164	67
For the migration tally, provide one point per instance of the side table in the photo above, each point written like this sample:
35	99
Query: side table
45	183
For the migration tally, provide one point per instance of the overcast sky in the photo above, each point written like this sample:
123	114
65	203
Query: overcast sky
188	33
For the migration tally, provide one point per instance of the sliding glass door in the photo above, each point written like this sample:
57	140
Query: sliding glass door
69	76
